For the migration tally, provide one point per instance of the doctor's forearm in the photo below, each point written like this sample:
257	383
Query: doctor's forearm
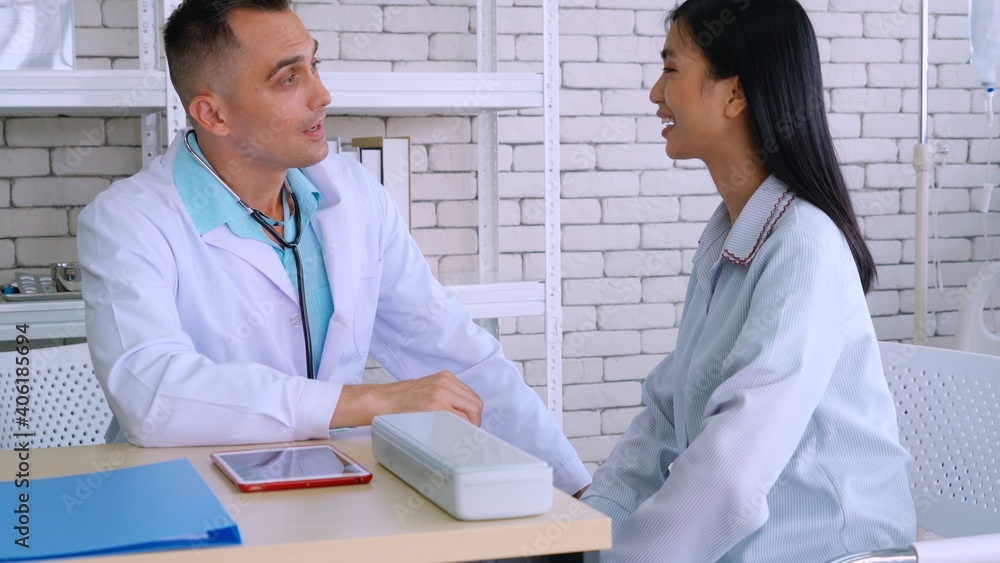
358	404
354	408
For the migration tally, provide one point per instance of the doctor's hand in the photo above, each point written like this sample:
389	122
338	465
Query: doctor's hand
442	391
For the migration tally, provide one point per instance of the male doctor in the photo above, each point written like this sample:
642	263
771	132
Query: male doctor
193	313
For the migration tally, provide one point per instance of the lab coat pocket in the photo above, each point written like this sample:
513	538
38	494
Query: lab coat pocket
367	302
372	269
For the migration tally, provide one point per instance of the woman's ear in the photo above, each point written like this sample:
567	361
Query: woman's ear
736	100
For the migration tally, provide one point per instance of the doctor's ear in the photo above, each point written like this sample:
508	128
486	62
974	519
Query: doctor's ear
205	110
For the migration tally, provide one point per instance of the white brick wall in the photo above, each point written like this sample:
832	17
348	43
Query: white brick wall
631	216
34	193
327	17
581	265
87	13
426	19
37	132
24	162
119	13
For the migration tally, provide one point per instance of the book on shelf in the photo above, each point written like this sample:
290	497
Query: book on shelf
338	147
388	158
371	158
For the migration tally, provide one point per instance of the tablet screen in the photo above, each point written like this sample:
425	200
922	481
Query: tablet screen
289	464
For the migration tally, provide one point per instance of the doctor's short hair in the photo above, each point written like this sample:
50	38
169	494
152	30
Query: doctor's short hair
200	43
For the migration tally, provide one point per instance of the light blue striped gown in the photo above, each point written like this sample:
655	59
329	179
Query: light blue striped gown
769	434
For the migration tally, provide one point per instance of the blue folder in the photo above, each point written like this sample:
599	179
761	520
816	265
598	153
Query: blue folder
160	506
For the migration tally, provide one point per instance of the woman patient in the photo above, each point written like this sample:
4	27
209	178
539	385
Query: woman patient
769	434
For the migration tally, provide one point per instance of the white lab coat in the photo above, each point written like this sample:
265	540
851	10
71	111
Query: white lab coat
196	339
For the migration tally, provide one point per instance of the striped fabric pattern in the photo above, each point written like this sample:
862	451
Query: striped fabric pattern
769	434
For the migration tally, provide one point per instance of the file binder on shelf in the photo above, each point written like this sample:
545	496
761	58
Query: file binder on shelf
149	507
371	158
338	147
390	157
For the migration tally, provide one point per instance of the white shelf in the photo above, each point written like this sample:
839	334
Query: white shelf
490	301
45	319
461	93
134	92
65	319
81	92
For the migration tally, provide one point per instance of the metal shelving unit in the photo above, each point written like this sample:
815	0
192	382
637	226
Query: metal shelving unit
137	92
63	318
147	92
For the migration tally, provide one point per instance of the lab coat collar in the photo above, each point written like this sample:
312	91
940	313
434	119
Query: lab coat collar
256	253
221	237
210	205
330	223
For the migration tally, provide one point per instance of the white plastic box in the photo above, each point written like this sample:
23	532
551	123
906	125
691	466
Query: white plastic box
468	472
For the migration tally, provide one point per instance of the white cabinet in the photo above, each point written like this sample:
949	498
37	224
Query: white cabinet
148	92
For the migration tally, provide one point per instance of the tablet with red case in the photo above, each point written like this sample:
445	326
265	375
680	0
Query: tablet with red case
294	467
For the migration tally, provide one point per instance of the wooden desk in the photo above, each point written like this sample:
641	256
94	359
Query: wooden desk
385	520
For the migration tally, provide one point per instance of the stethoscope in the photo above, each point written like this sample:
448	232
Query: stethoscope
268	225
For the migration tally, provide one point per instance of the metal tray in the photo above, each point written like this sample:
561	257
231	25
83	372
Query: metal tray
58	296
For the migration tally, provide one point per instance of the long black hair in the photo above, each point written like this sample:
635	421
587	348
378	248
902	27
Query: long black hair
770	45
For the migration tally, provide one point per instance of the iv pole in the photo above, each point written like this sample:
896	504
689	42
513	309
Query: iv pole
923	163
